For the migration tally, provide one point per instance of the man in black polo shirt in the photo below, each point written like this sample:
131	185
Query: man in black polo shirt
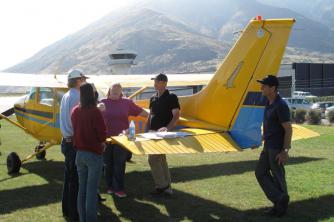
164	113
277	133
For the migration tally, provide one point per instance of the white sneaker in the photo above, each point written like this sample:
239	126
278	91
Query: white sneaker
169	191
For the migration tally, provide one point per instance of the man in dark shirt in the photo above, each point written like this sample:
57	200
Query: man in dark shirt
277	133
164	113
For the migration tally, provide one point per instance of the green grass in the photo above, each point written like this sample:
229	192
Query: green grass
208	187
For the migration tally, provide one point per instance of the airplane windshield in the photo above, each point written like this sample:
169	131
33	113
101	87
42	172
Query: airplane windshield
32	93
46	96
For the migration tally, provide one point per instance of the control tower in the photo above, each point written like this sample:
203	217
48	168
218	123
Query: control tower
122	60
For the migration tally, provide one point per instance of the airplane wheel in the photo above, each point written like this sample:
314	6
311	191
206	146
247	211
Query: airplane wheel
13	163
40	156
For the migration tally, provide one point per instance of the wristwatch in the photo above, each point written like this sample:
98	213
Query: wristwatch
286	150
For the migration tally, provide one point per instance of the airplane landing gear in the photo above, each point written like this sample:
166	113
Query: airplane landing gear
14	162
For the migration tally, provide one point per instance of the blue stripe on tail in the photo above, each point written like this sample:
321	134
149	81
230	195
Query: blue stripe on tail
246	131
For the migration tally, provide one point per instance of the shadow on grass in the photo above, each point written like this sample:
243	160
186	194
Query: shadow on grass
10	177
186	207
193	208
189	173
138	207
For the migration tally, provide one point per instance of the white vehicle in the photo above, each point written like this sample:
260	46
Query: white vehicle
302	95
328	109
297	103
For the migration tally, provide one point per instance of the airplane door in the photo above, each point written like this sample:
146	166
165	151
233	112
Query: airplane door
44	113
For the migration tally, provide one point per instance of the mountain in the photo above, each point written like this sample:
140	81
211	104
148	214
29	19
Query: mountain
318	10
221	18
162	44
175	36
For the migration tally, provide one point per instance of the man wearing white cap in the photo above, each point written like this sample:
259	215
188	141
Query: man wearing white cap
70	100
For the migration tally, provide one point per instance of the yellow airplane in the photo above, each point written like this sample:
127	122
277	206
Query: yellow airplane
225	116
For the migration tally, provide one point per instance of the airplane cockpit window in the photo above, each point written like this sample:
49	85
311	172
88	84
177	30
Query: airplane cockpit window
46	96
32	94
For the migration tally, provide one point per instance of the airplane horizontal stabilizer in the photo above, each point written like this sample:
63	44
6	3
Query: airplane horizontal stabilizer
299	132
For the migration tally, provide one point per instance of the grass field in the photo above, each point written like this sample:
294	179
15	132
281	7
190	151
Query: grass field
208	187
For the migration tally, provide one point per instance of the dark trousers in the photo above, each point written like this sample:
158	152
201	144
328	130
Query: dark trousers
71	184
114	159
271	175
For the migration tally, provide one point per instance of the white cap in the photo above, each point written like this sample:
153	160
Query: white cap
75	73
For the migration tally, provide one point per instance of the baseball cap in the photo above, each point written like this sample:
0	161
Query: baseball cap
269	80
160	77
75	73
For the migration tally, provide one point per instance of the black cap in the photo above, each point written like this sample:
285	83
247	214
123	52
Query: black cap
160	77
269	80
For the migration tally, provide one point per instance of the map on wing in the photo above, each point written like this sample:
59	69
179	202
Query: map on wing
163	135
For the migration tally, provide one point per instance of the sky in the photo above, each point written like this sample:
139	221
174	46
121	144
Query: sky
28	26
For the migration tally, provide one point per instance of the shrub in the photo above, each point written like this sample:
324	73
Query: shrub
300	115
293	115
314	117
330	116
321	99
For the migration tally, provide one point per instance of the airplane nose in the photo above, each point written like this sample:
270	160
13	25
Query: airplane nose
19	109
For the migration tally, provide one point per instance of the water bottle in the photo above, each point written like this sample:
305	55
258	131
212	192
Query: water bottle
132	130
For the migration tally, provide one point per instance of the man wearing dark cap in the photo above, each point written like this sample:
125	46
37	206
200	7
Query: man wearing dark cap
277	133
164	113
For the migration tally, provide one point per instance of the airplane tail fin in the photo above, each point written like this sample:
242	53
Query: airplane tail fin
232	100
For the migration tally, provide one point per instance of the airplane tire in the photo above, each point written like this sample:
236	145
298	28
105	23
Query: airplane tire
13	163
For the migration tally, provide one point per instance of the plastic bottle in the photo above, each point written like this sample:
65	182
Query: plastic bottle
132	130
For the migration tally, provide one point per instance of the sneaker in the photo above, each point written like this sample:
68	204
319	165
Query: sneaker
161	191
168	192
109	191
120	194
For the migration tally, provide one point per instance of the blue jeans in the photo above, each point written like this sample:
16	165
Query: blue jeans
114	159
70	187
89	167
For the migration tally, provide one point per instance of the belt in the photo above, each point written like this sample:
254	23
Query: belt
68	139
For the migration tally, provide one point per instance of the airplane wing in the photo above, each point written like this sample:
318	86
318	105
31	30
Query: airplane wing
101	81
189	141
31	80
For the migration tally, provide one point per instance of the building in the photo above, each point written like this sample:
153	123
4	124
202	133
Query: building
316	78
122	60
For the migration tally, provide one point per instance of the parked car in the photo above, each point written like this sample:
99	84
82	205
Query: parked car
302	95
322	106
328	109
297	103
